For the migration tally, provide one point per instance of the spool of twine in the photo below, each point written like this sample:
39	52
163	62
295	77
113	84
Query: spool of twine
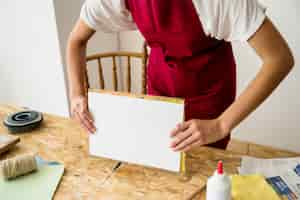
17	166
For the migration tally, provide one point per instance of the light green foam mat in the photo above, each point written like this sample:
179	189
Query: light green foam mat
39	185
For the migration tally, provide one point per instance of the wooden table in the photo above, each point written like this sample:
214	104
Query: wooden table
92	178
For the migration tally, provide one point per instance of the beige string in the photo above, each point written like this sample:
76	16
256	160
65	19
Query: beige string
17	166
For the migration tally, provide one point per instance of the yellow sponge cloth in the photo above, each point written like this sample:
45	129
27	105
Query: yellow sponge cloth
252	187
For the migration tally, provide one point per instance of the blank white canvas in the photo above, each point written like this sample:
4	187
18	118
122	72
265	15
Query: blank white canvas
134	130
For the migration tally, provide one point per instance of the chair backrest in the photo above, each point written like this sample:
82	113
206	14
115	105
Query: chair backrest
113	55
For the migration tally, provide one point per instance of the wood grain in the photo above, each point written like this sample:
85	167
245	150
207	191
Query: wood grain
63	140
143	56
144	68
128	74
142	96
238	147
100	73
92	178
118	53
114	74
10	141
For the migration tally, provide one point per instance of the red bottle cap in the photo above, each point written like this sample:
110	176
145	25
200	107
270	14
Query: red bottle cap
220	167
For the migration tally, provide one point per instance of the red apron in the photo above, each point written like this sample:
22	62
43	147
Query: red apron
183	61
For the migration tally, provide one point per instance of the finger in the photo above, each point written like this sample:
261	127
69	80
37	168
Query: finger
90	125
87	116
74	115
78	119
83	110
190	140
180	137
193	145
192	123
174	132
87	125
181	127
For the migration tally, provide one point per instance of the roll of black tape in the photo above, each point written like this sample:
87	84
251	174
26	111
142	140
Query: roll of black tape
23	121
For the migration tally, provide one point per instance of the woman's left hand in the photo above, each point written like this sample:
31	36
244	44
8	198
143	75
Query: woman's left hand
197	132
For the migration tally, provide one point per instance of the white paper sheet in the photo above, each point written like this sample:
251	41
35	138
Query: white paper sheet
135	130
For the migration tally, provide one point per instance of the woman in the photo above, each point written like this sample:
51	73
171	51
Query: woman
191	57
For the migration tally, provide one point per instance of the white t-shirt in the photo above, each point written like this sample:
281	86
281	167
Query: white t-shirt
230	20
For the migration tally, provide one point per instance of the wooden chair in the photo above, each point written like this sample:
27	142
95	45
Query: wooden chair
113	55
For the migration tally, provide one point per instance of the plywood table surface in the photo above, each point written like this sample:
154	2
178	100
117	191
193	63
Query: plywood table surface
92	178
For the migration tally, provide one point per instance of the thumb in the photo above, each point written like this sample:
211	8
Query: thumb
183	126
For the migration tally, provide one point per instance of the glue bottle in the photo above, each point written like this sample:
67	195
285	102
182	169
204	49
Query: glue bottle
218	185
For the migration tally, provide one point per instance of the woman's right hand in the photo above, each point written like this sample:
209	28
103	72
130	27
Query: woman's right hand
80	112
